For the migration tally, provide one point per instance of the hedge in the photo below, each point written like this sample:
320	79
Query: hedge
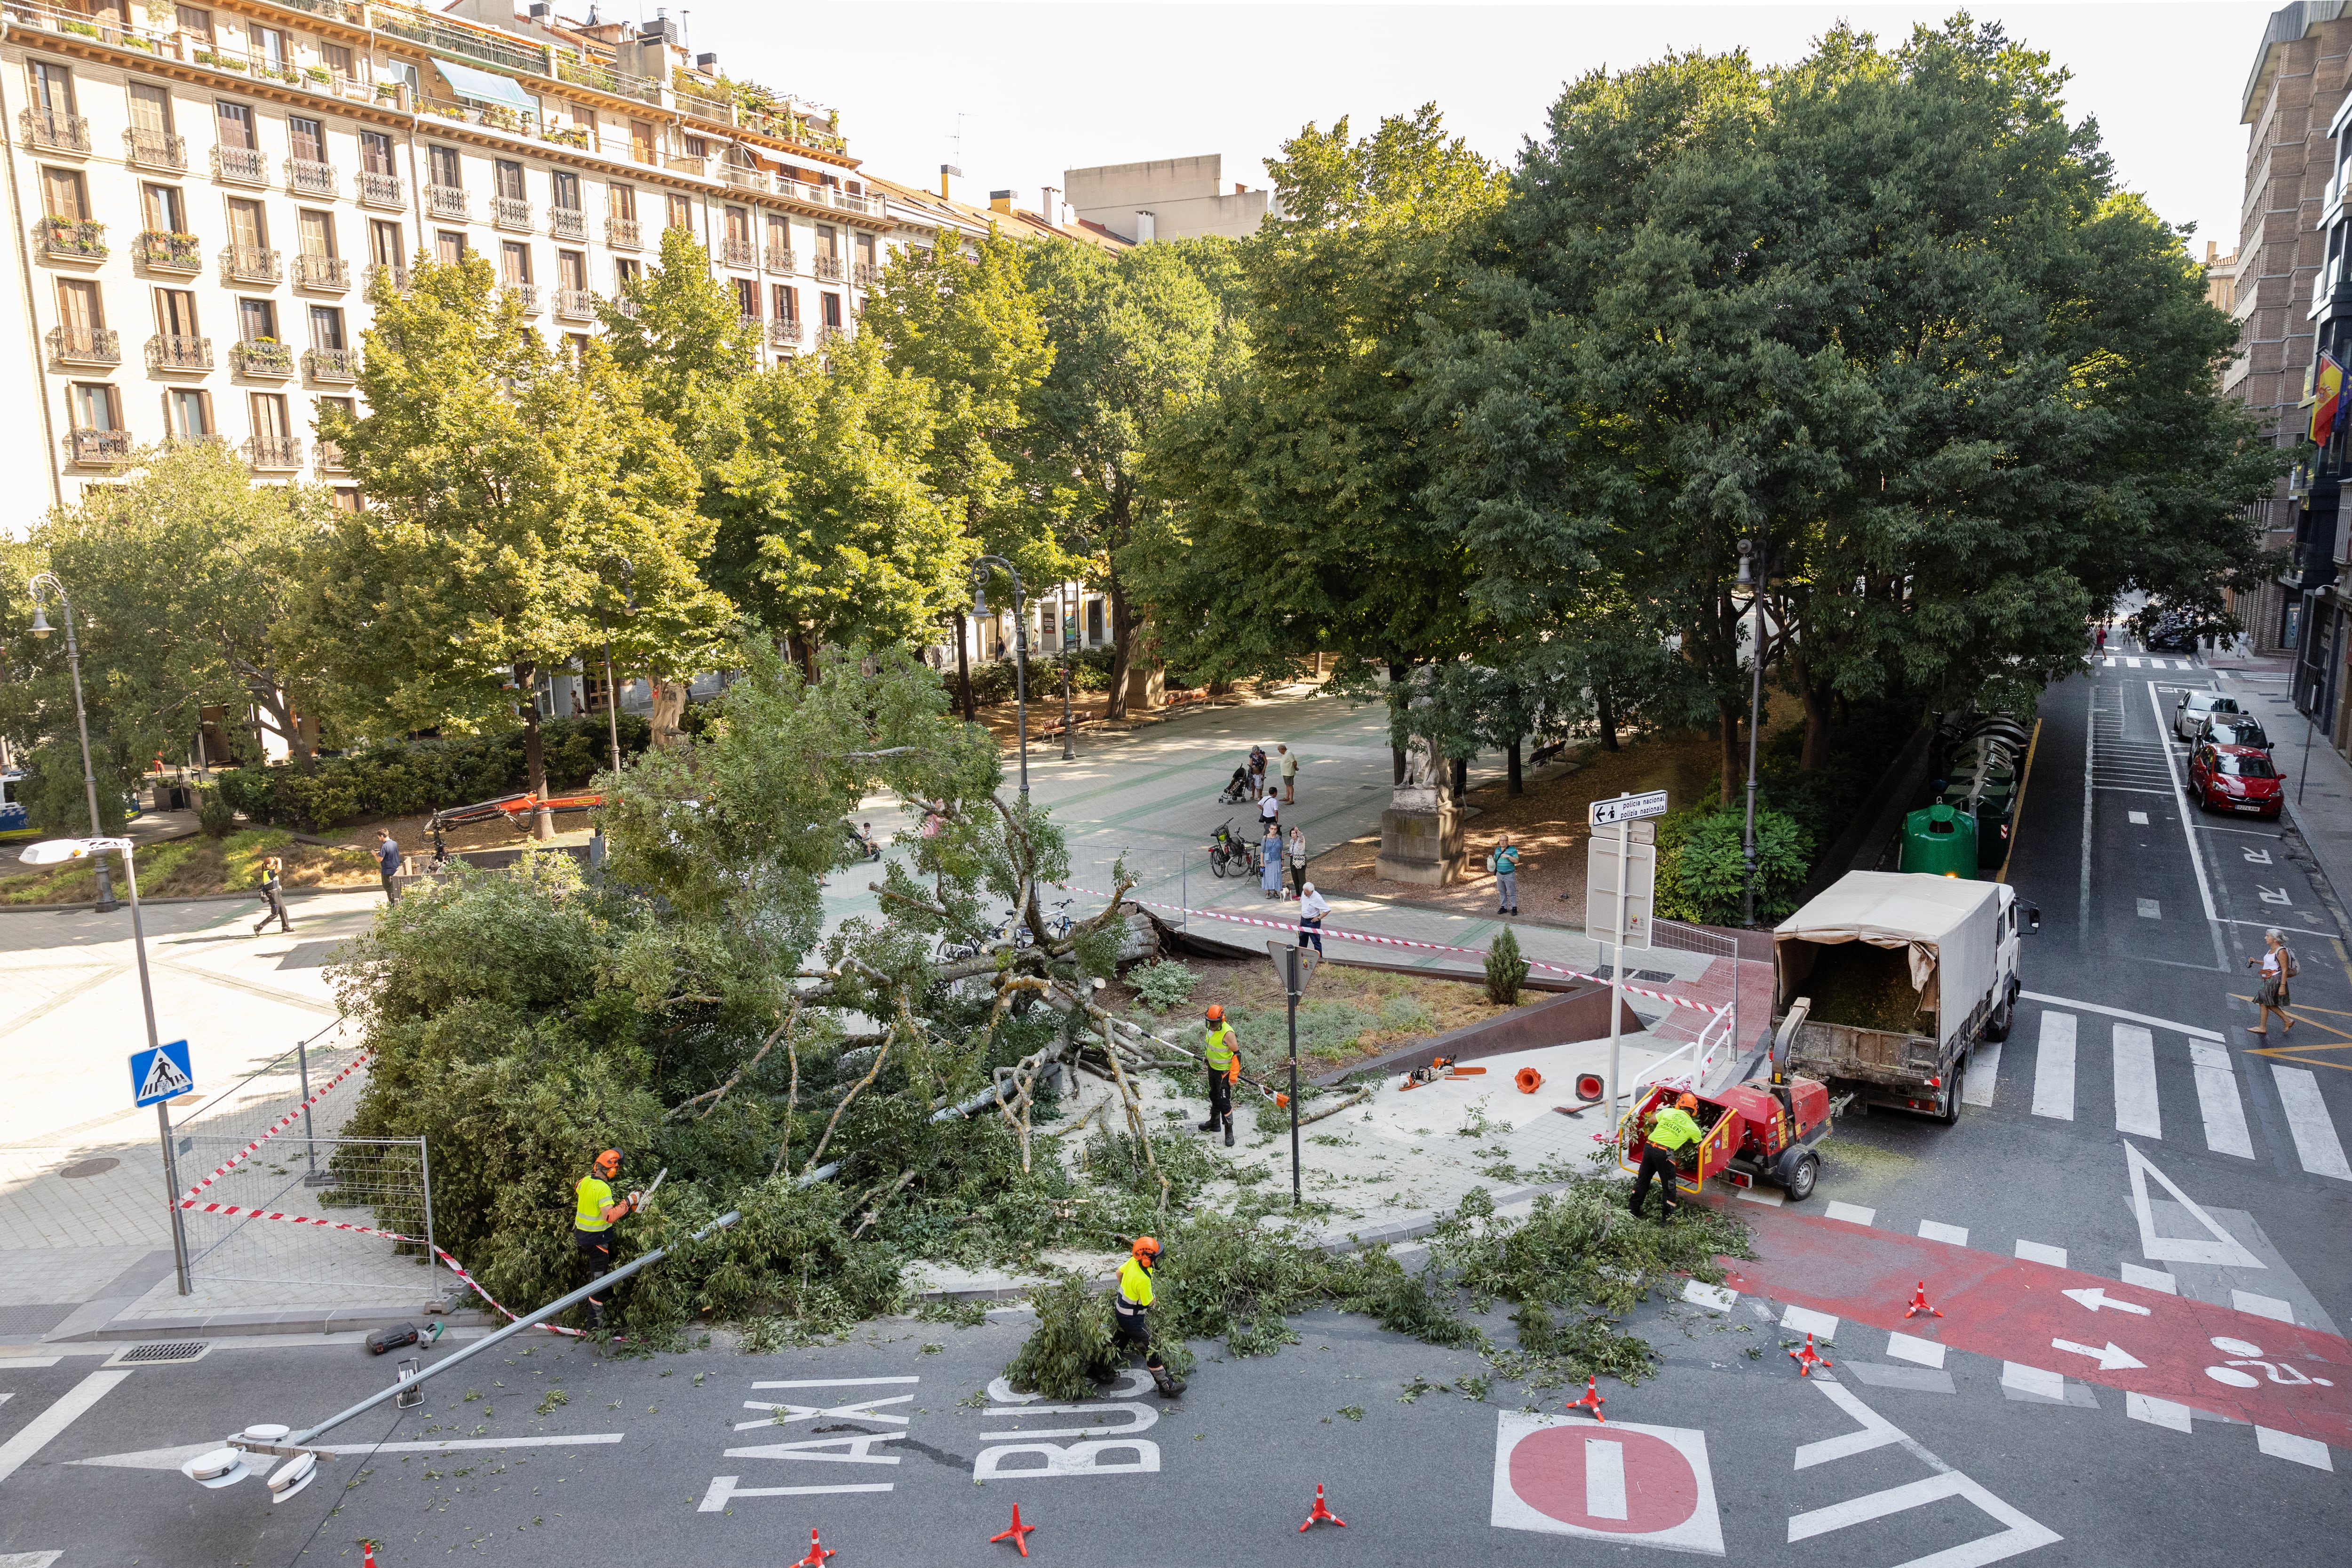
405	778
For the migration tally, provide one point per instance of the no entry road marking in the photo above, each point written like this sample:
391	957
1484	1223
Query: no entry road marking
1628	1484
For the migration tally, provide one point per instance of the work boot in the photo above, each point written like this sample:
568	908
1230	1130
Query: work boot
1229	1134
1169	1387
1209	1125
595	1317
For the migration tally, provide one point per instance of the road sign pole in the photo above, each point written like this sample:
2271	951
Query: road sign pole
162	1107
1617	969
1297	1190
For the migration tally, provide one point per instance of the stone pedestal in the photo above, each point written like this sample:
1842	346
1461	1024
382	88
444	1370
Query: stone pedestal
1147	688
1421	842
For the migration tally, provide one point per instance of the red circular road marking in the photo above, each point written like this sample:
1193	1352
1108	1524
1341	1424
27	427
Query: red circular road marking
1547	1472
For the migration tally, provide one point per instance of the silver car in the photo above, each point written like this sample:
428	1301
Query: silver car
2190	715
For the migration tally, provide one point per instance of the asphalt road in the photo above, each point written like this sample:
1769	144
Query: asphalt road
2131	1144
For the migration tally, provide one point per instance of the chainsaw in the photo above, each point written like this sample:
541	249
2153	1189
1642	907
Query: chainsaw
1439	1070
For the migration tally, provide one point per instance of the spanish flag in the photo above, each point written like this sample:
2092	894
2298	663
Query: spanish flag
2329	397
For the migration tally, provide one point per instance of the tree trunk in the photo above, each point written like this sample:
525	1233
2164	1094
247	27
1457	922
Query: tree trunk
669	702
1819	711
1122	648
964	674
1511	761
1459	780
534	750
1605	707
1735	766
1397	675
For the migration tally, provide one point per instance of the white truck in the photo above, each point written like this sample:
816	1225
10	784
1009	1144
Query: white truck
1884	984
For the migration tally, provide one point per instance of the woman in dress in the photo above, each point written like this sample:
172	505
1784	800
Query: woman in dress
1270	861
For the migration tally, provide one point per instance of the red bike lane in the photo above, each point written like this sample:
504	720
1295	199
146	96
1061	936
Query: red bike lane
2214	1359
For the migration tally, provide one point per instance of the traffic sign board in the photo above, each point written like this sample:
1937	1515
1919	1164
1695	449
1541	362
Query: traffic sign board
1294	965
162	1073
1626	809
1635	1485
1641	863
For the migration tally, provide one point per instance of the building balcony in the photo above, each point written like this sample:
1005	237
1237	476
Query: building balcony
329	273
309	177
575	304
867	274
263	357
781	259
743	179
679	163
786	334
329	457
526	296
172	352
832	270
445	202
398	277
510	212
832	331
870	206
158	150
71	240
567	222
54	130
240	165
752	326
331	365
622	234
737	252
247	264
84	345
716	110
97	448
274	452
159	250
623	305
380	190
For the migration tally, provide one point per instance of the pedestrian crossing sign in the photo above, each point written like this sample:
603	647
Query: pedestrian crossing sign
162	1073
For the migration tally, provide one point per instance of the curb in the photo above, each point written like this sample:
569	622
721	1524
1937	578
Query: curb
250	896
228	1325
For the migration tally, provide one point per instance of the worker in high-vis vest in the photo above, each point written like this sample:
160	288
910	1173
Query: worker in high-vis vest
1223	1049
1130	1310
1672	1129
594	1210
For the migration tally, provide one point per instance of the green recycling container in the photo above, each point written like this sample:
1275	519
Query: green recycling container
1941	841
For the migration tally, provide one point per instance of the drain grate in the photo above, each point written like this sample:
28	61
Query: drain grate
176	1349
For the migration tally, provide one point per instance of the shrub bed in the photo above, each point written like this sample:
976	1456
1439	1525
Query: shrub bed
404	778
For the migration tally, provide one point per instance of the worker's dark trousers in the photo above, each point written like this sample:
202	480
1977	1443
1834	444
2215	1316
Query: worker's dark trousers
1221	1104
1658	1162
597	1251
1131	1330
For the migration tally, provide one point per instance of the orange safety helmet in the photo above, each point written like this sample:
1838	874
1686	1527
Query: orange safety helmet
608	1163
1216	1015
1146	1248
1687	1101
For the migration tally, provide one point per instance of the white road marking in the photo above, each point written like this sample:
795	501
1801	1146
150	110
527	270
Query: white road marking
2315	1144
1604	1477
723	1490
2136	818
862	1410
2223	1251
1134	1418
2128	664
29	1559
1984	1077
11	1363
2136	1108
2111	1356
1770	1200
2150	910
1936	1230
2150	1279
2263	1306
1853	1214
2096	1297
1904	1347
37	1433
172	1459
2033	1380
2019	1533
2188	831
2288	1445
1714	1298
2191	1030
2054	1068
2041	1252
2156	1412
835	1382
2218	1101
1805	1320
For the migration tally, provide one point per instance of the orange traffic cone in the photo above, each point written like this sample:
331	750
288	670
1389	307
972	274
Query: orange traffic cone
1592	1400
1019	1532
817	1553
1919	1303
1528	1080
1807	1359
1322	1514
367	1555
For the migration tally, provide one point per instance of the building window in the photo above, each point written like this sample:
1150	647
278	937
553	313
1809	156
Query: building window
866	249
641	139
257	320
308	139
151	110
65	195
746	297
626	271
317	230
337	59
270	45
248	226
161	206
787	301
681	211
514	263
448	247
832	310
80	311
566	192
508	175
625	202
233	122
828	242
94	406
187	412
327	328
383	243
375	153
739	224
270	420
1094	622
347	498
52	87
578	343
448	172
571	270
175	313
195	23
696	147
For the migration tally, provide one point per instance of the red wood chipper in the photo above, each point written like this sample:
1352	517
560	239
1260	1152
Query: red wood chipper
1755	1132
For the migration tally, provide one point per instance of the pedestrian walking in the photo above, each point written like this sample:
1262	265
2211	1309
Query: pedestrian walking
1269	810
387	859
1297	855
2103	637
1506	878
1289	776
2278	966
1670	1128
1269	854
1131	1313
1312	907
595	1210
1223	1051
273	893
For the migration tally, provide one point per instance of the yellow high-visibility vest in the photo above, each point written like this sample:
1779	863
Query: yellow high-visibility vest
595	1197
1220	1050
1135	1283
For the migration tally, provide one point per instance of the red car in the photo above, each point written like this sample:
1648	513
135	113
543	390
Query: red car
2235	778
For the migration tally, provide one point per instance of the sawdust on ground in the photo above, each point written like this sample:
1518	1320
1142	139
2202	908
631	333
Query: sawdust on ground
1385	1010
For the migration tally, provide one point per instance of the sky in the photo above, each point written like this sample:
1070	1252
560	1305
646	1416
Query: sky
1031	89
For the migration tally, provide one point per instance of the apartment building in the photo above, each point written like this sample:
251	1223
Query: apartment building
1168	198
202	194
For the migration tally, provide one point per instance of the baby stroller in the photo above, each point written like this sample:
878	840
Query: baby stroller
1237	789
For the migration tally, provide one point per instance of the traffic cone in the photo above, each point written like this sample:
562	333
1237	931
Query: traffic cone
1592	1400
817	1553
1322	1514
1919	1303
367	1555
1019	1532
1807	1359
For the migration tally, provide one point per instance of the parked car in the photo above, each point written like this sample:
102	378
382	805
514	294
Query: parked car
2170	634
2189	714
15	822
2237	729
2235	778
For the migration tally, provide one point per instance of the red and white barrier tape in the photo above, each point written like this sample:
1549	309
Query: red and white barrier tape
281	1124
1337	935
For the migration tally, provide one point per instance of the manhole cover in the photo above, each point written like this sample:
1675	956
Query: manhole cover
97	1167
182	1350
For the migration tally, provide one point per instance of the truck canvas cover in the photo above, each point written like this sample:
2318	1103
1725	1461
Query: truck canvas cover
1946	925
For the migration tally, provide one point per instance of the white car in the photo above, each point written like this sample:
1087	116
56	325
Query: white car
2190	715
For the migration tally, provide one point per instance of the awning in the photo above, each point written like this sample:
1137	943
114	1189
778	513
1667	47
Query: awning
487	87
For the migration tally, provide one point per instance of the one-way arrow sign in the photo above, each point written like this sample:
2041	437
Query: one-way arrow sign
2109	1359
2094	1297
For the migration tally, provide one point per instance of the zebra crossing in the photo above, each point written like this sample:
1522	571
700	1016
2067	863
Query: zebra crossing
2074	1058
2128	662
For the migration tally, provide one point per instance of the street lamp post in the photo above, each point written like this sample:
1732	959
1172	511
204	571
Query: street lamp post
1752	578
73	660
1068	753
611	692
1019	649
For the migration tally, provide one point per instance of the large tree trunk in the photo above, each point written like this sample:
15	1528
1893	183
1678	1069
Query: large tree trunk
1820	711
1511	761
534	750
1397	675
970	710
1734	765
1605	708
1122	645
1459	779
669	702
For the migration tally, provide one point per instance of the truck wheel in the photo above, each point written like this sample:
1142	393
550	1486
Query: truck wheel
1802	1177
1950	1114
1996	1027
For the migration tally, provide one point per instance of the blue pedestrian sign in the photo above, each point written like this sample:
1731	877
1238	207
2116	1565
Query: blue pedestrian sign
162	1073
